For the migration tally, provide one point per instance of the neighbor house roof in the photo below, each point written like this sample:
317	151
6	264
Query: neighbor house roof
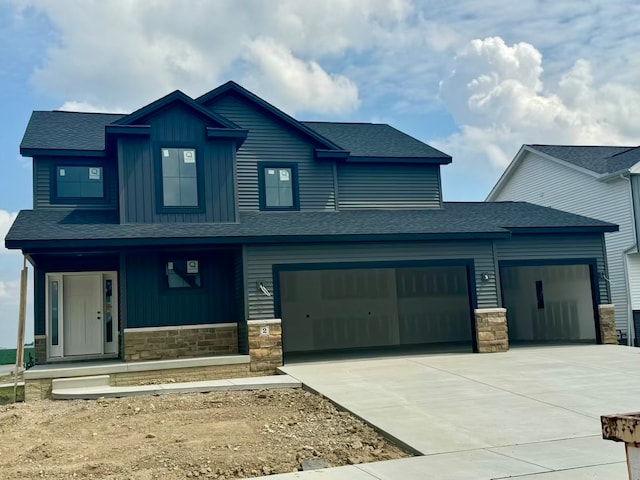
375	140
601	162
598	159
54	228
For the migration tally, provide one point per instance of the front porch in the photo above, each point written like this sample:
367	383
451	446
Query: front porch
38	380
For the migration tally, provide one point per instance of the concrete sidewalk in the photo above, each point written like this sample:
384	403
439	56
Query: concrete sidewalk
529	413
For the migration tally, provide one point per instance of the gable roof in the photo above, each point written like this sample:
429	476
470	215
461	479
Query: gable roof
60	130
175	97
598	159
376	140
601	162
233	87
51	228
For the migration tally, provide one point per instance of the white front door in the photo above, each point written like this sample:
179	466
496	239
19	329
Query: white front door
82	306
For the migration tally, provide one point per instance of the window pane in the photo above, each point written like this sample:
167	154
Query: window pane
272	197
188	192
69	189
170	167
91	189
171	192
271	177
286	197
53	306
179	177
180	276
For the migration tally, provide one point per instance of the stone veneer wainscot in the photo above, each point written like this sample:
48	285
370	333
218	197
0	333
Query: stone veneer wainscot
166	343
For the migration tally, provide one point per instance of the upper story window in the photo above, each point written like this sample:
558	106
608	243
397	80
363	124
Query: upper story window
79	182
179	177
278	186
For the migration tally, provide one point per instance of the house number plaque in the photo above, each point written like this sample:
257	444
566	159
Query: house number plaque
264	330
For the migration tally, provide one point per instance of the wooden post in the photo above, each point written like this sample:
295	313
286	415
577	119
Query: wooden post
21	326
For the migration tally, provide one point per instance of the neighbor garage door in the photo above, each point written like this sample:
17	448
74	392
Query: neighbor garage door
551	303
370	307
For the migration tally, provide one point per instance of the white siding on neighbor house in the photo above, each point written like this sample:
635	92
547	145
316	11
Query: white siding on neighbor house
633	266
544	182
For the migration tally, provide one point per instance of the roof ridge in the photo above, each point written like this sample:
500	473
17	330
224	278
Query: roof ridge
83	113
621	153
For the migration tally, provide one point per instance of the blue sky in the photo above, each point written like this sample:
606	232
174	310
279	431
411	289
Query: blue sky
475	78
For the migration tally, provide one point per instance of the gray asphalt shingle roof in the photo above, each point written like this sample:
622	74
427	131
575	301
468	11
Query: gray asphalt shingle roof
58	130
374	140
598	159
453	219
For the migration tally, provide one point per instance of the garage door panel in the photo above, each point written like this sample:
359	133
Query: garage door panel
548	303
355	308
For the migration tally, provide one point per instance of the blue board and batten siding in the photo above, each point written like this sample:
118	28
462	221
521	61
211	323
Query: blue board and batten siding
388	186
556	248
44	177
150	304
261	259
139	161
271	141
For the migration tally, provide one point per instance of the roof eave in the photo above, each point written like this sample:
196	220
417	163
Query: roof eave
54	152
389	159
557	230
32	245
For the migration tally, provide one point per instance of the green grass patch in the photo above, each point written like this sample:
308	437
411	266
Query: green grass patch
8	356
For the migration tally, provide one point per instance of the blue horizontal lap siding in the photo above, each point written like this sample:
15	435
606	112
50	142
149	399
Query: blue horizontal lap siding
555	247
139	160
269	141
44	171
388	186
260	261
150	306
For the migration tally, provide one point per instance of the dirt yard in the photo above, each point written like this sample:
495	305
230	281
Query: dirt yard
217	435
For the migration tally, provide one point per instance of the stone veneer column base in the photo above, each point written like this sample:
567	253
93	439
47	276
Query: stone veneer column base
491	330
265	345
40	349
608	334
168	343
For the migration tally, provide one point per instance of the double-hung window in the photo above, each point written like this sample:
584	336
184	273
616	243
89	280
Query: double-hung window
179	178
278	186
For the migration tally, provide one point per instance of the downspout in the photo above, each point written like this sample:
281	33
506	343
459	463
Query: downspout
625	259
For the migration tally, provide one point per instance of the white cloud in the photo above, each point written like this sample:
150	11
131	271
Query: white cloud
497	96
6	220
130	53
74	106
295	85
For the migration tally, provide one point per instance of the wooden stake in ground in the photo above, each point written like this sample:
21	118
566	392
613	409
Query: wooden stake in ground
21	325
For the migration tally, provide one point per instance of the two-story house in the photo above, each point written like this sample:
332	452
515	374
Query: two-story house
175	230
602	182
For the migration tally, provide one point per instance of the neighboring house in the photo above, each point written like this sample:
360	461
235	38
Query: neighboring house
177	229
597	181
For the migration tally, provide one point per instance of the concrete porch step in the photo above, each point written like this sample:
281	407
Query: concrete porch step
80	382
66	389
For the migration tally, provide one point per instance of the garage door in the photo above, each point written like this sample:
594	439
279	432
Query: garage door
548	303
372	307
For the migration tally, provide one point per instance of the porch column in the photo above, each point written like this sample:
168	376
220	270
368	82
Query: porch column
265	345
491	330
40	349
608	334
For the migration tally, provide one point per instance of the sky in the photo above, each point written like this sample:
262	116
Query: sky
474	78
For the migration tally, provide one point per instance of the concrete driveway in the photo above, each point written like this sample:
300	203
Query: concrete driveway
532	413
